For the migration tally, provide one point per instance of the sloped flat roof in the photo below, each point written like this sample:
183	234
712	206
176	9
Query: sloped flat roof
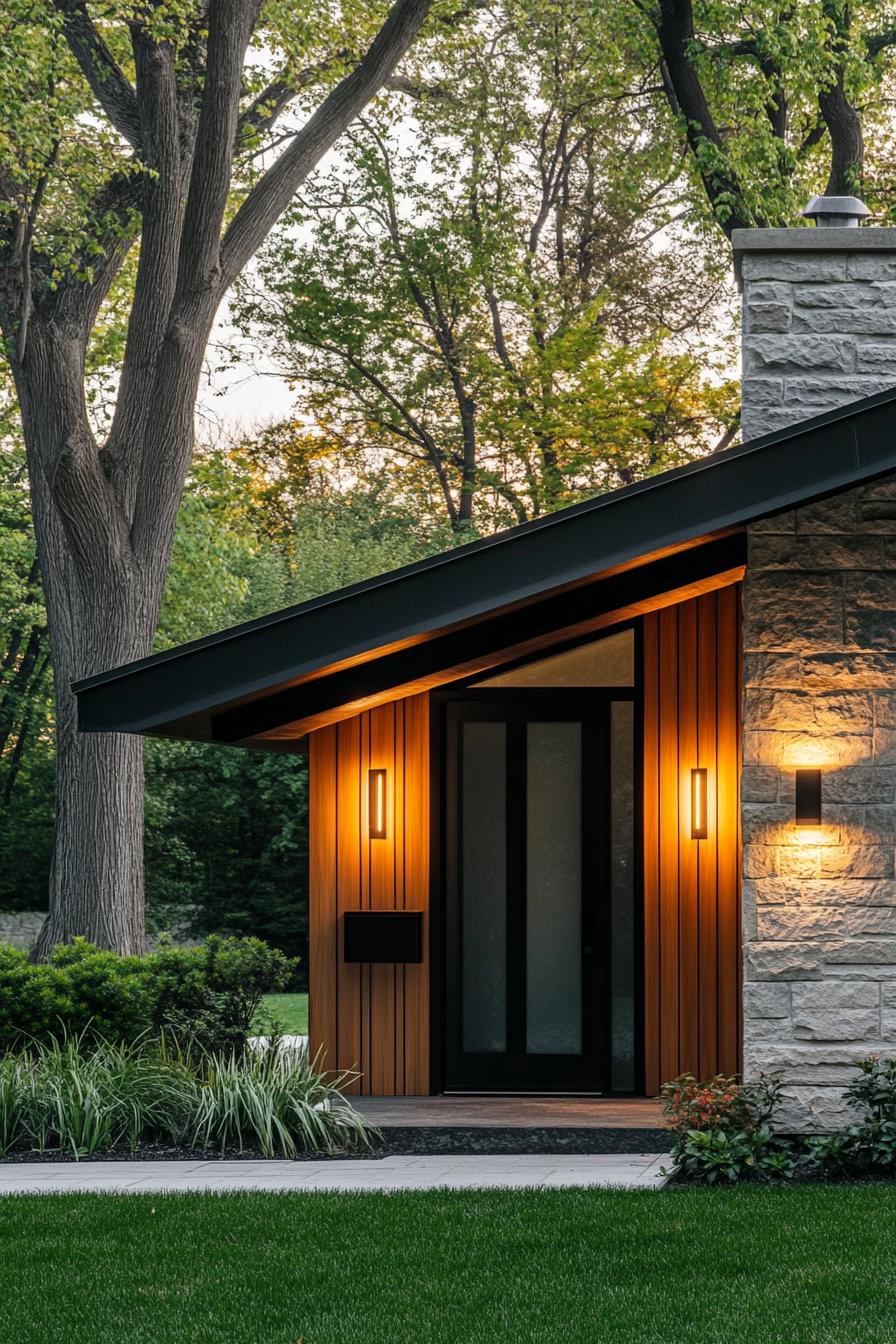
240	683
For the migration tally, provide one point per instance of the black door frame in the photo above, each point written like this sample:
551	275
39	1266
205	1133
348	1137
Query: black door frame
464	691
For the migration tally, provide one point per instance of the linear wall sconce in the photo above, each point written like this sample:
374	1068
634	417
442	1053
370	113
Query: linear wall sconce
376	804
807	797
698	804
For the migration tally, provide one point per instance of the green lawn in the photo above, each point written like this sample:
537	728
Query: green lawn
811	1265
290	1010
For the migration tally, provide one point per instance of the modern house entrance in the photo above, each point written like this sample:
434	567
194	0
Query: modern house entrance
540	901
609	796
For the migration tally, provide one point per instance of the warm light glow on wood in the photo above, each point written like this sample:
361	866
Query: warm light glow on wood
698	804
376	803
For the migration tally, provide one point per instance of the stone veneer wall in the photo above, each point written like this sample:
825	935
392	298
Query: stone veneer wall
819	906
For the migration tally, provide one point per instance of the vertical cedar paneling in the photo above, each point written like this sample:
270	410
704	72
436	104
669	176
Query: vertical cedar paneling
398	880
347	894
377	1018
371	1018
692	968
707	850
364	897
688	851
729	936
381	859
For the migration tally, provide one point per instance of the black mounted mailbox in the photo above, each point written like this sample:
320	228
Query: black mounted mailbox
383	935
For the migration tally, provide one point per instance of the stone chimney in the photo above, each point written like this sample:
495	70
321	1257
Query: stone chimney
819	906
819	317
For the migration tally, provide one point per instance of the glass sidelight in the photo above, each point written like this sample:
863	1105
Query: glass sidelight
484	884
554	888
541	928
622	922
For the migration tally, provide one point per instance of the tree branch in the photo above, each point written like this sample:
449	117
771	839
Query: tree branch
159	245
674	24
25	257
264	110
877	42
230	27
112	90
841	118
115	208
401	84
270	196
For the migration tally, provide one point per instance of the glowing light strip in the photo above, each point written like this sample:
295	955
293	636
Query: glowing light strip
376	803
698	804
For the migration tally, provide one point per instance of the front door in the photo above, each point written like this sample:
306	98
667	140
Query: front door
540	900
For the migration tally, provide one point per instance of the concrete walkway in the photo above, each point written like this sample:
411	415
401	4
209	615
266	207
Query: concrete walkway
633	1171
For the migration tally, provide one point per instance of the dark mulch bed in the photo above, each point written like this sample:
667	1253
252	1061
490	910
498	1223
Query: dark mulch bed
487	1139
398	1141
162	1152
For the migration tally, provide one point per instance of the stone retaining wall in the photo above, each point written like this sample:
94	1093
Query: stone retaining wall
20	927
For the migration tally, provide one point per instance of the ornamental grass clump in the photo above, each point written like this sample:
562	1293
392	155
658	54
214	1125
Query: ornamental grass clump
274	1100
79	1096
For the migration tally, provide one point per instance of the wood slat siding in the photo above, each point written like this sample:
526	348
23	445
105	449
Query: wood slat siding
692	972
372	1018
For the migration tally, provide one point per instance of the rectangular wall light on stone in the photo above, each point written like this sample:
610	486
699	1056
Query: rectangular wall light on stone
807	794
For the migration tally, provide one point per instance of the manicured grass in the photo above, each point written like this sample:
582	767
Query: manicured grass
290	1010
810	1265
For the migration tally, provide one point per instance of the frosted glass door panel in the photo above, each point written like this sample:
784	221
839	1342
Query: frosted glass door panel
484	886
554	889
622	896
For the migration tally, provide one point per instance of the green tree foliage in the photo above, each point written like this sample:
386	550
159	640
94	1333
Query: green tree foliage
475	293
26	760
774	100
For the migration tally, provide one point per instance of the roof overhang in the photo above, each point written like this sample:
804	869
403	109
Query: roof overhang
268	682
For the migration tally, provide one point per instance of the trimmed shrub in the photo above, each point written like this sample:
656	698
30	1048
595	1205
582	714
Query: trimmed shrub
205	997
722	1129
868	1147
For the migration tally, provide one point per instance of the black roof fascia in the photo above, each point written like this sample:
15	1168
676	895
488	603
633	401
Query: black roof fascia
807	461
550	616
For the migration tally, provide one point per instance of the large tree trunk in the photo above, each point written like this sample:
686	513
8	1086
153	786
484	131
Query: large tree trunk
101	612
96	883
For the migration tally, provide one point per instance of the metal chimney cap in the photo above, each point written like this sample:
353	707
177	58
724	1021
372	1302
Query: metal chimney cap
836	212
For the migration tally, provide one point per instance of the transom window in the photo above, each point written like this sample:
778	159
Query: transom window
609	661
